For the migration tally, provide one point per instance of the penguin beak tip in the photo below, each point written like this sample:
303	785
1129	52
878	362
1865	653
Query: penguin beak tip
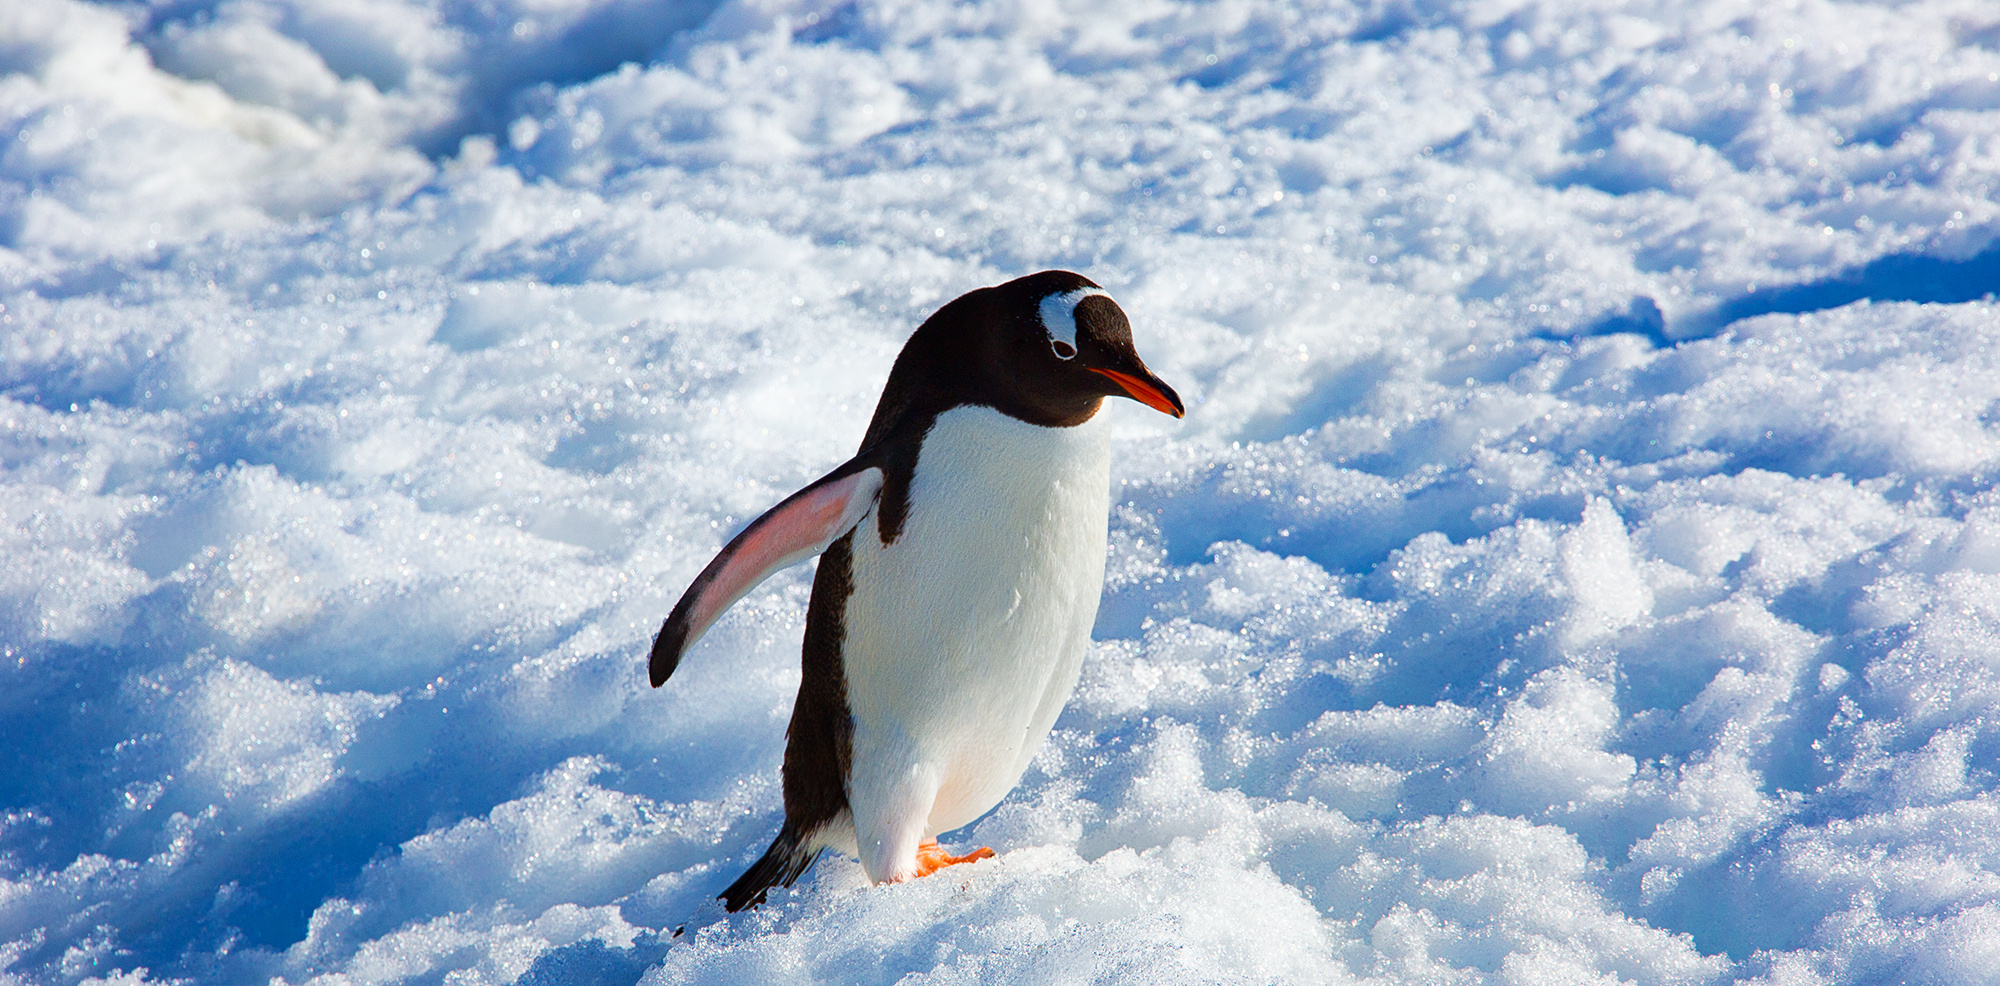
1159	397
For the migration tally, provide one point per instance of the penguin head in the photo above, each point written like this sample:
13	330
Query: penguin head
1046	349
1059	345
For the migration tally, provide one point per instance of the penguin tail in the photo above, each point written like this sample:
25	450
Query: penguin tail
781	866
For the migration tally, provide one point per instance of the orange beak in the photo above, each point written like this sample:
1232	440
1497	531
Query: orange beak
1145	393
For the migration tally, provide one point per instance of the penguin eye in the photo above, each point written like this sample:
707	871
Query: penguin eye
1058	313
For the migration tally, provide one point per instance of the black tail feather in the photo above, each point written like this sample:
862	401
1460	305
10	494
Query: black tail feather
781	866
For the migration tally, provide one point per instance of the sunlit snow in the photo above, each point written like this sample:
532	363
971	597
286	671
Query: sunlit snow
1580	562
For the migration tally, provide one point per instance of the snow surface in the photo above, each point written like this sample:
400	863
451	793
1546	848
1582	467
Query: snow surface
1580	564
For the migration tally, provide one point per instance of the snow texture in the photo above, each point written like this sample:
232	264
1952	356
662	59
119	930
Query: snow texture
1580	562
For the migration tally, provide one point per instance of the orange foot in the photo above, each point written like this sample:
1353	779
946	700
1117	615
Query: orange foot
931	857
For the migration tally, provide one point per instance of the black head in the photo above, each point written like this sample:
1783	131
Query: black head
1046	348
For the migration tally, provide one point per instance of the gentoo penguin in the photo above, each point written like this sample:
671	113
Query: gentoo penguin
963	556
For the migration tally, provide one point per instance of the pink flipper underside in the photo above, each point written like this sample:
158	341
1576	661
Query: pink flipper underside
791	533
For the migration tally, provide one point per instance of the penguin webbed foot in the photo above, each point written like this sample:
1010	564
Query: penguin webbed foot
932	857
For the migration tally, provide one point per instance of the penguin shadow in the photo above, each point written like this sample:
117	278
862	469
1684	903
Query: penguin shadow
675	915
591	962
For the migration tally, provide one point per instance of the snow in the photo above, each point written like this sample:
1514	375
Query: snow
1580	561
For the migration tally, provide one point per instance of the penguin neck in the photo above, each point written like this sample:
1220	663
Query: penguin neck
903	421
909	408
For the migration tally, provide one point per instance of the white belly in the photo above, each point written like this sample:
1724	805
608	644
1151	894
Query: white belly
965	636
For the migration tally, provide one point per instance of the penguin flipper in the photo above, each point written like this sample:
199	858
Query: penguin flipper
780	866
796	529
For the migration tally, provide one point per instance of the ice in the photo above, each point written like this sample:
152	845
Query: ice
1580	562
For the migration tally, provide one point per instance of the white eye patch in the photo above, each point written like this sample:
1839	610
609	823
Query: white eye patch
1059	319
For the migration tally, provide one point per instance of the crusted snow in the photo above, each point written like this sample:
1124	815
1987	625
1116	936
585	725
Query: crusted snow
1580	561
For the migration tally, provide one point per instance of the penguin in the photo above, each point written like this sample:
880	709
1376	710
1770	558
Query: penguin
962	557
